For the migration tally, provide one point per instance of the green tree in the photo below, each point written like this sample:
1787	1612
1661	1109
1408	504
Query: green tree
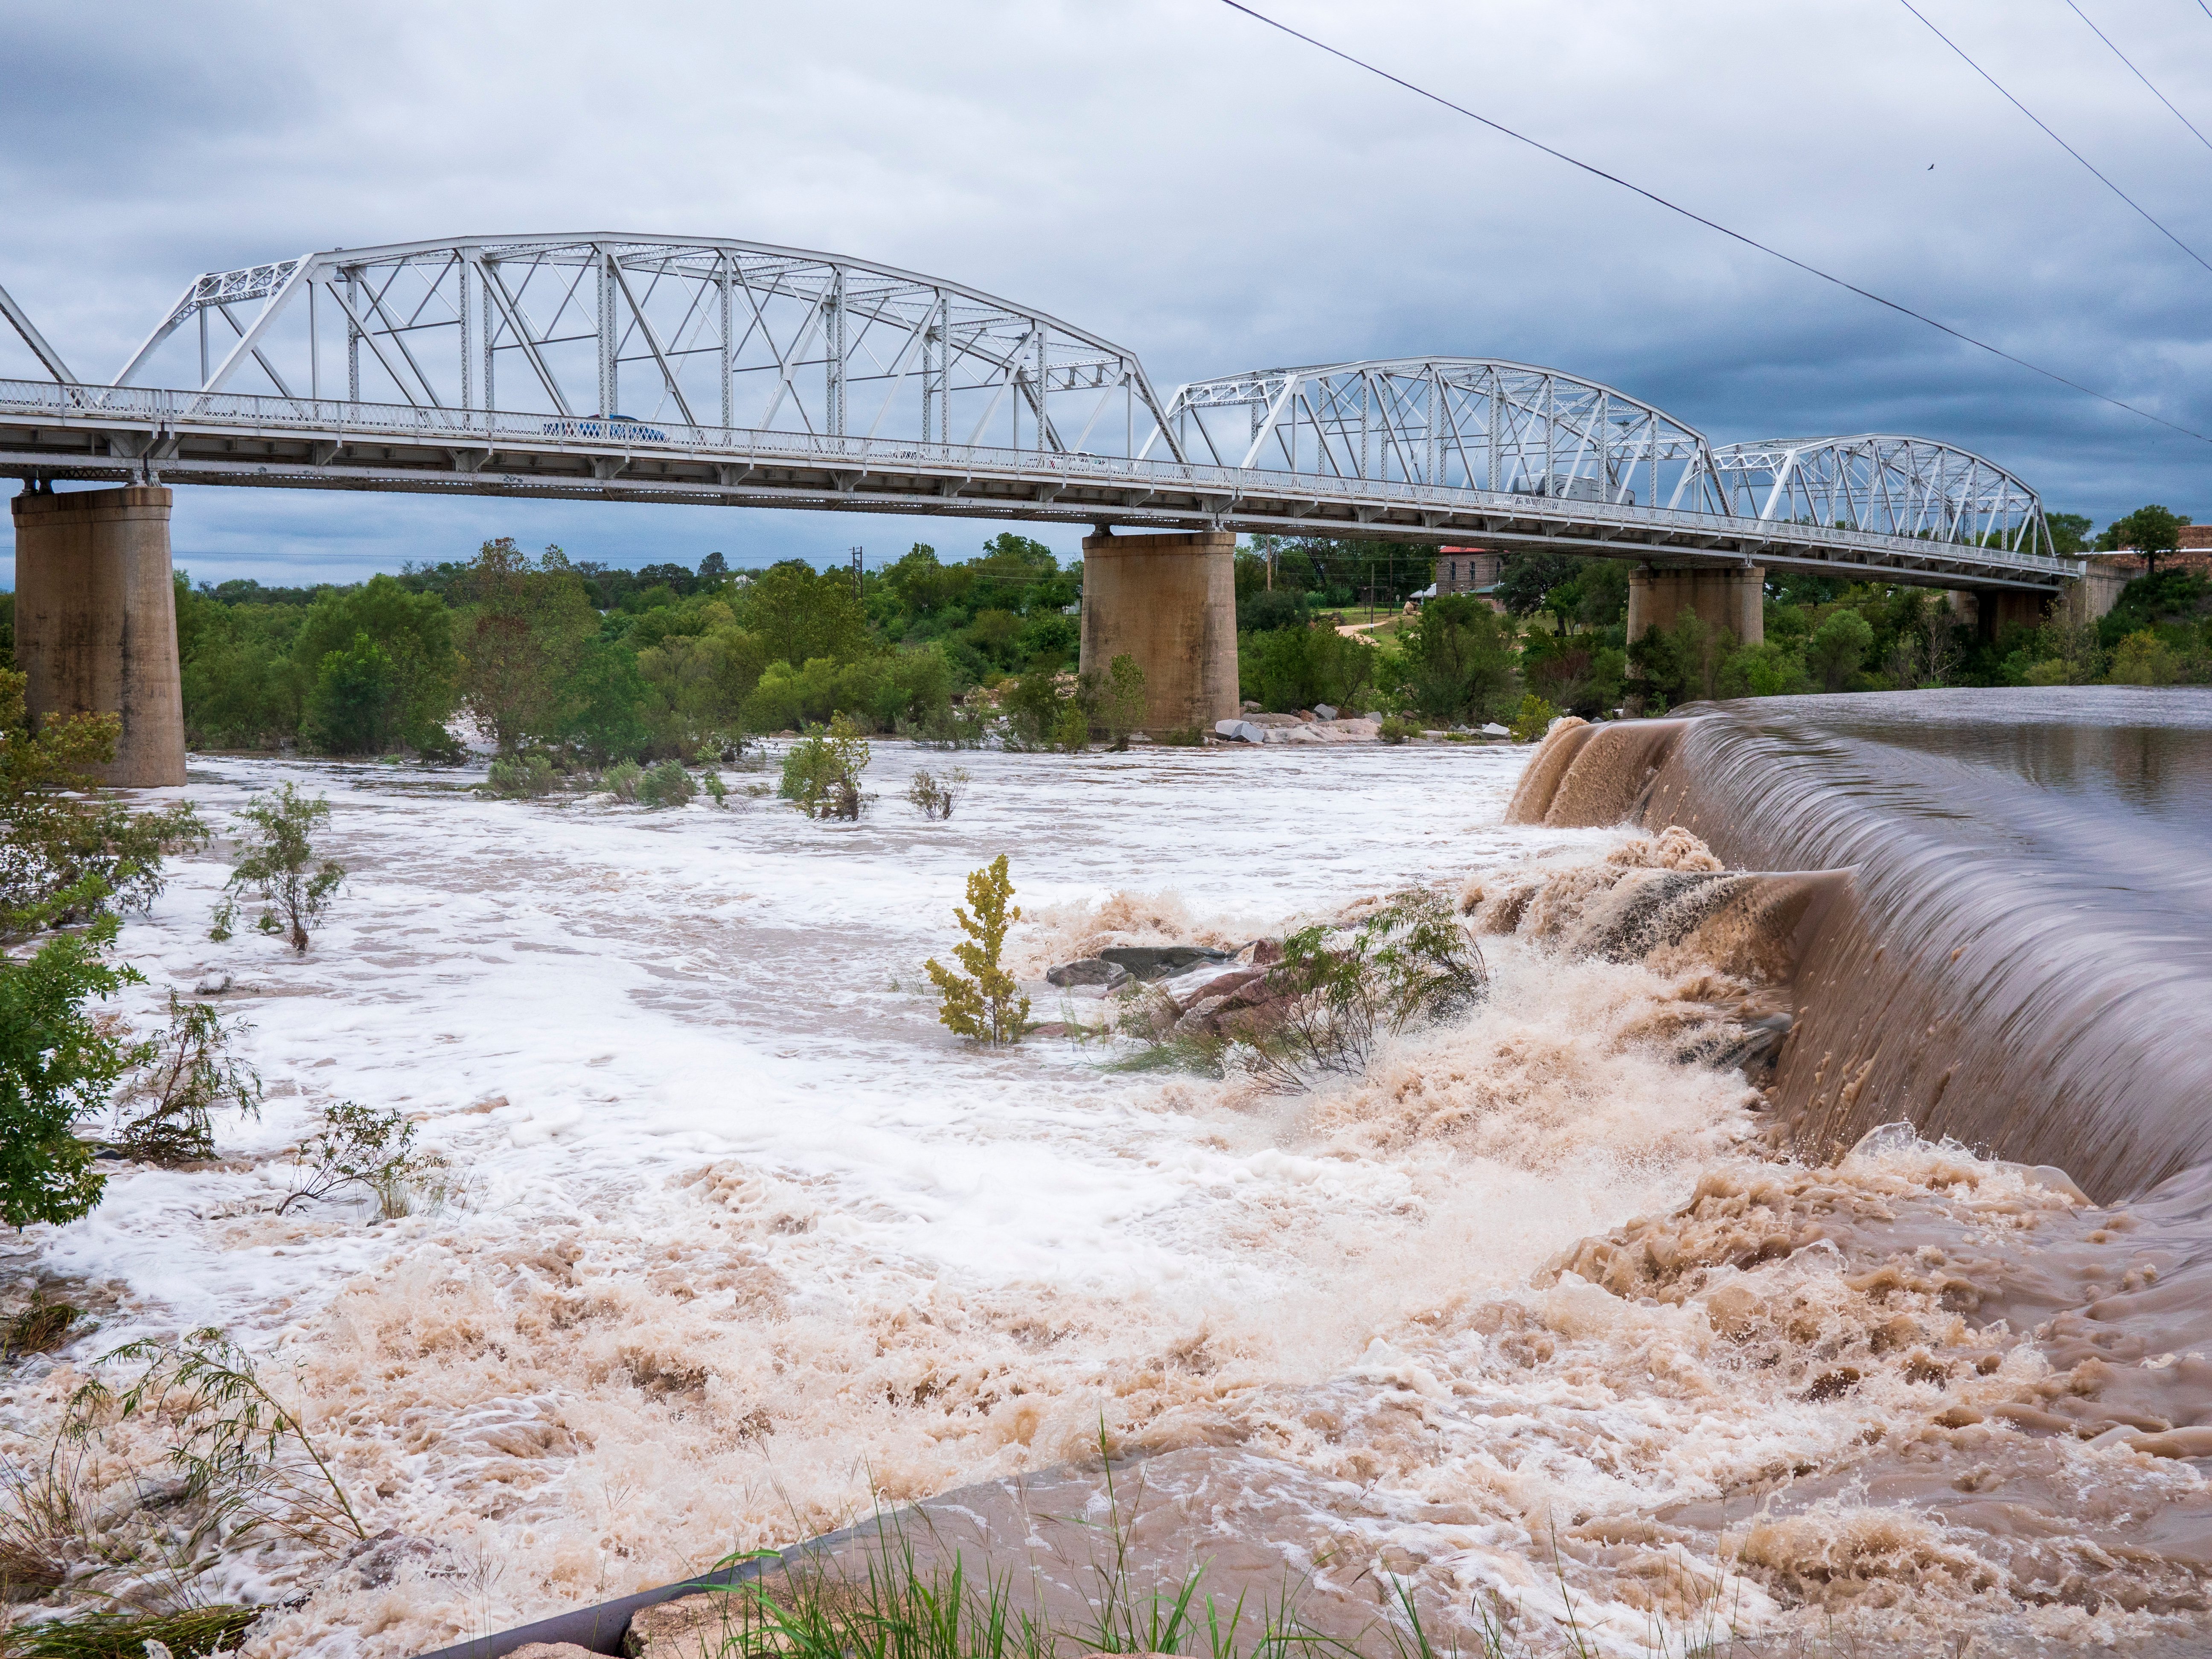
66	848
277	864
2150	531
415	686
1122	702
57	1058
984	1004
1525	581
798	612
1837	648
822	771
527	626
354	709
1459	658
58	1062
2069	532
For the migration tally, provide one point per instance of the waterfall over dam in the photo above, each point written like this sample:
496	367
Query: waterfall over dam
2021	957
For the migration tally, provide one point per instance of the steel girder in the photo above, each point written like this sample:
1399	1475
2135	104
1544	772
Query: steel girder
710	335
1473	422
494	365
1889	485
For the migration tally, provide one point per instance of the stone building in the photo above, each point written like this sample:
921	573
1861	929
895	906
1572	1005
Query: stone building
1466	570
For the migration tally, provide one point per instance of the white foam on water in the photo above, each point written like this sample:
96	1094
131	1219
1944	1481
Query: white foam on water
752	1242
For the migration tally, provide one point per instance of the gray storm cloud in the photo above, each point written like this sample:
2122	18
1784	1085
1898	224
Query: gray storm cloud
1181	178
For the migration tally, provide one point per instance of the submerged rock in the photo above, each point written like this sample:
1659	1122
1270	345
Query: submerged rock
1088	970
1151	962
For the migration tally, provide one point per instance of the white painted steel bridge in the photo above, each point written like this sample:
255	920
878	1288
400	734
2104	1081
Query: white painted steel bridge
651	369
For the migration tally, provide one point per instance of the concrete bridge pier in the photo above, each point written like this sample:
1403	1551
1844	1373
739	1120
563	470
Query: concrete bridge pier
1170	603
1727	596
96	622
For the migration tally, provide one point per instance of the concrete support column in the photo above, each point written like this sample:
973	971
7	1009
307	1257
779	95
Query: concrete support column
1726	596
1170	603
96	622
2093	596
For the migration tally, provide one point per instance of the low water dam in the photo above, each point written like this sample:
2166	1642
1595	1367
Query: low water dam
2021	958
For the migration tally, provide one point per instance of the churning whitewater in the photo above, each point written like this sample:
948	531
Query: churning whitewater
1538	1318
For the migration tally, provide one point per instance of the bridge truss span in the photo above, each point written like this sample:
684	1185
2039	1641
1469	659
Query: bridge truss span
650	330
1469	422
1913	488
657	369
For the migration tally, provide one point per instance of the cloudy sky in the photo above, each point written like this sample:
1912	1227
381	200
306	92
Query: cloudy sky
1186	181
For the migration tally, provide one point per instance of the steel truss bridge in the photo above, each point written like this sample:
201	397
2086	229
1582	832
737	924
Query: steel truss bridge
650	368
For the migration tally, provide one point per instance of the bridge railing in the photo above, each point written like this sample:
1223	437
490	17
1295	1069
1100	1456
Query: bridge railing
167	412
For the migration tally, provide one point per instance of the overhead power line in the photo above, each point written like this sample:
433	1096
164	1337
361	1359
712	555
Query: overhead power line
2138	74
2054	137
1715	225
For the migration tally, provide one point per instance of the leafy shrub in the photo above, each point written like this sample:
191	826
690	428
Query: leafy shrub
1287	668
1122	700
247	1461
1534	720
1396	728
667	785
2142	658
1071	727
58	1062
361	1147
166	1113
951	727
1184	737
1334	991
1837	648
821	772
717	791
934	797
522	777
984	1004
1459	658
625	780
277	863
66	850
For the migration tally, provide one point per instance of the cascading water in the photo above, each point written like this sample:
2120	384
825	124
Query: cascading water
1566	1315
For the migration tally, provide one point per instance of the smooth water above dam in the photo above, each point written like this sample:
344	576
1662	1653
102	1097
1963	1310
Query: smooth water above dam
2024	955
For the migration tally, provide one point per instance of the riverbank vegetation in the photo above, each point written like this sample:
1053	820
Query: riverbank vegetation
567	665
1562	636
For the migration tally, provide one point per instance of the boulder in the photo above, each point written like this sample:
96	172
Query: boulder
1492	729
1323	712
1088	970
1231	993
681	1629
1151	962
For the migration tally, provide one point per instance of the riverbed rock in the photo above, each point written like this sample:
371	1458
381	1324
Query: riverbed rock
681	1629
1245	988
1151	962
1088	970
552	1650
1323	712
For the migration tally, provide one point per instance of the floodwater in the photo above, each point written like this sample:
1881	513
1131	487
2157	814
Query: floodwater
1541	1319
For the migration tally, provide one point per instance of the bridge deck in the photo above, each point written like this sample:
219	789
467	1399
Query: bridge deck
59	431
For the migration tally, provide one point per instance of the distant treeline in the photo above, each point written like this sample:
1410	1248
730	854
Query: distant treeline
672	661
